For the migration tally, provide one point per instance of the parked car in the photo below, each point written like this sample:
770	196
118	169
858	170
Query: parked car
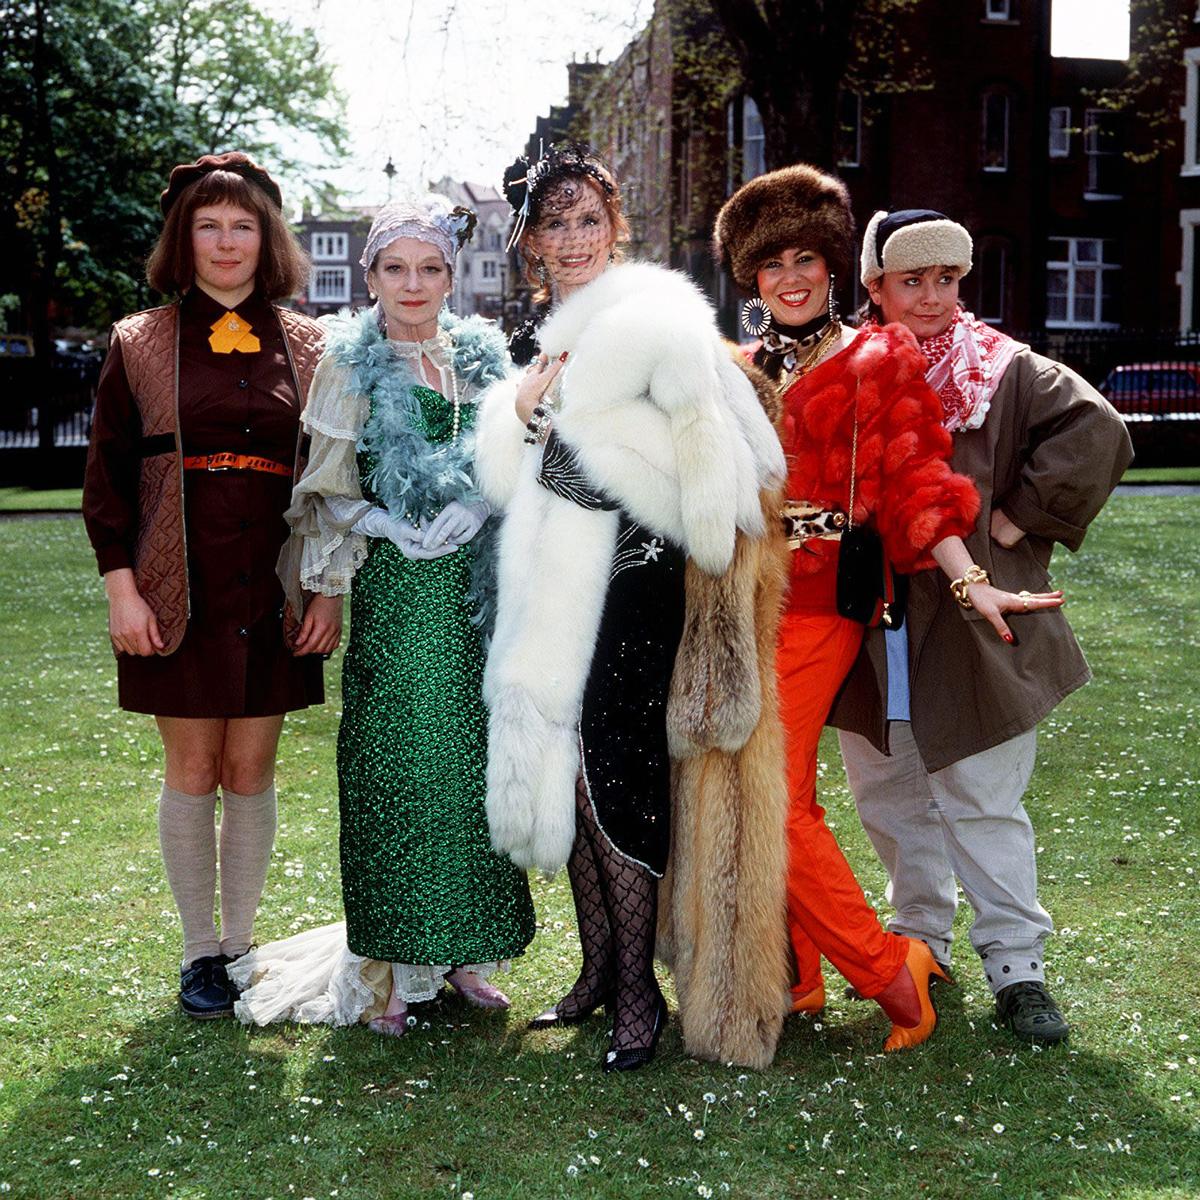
15	345
1154	391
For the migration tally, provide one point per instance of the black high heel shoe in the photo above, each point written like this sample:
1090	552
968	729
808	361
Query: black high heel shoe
638	1056
553	1019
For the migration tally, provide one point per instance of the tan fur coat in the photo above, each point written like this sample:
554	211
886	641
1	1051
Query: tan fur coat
722	910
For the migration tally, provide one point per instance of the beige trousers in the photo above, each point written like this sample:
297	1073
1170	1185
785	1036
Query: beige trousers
965	821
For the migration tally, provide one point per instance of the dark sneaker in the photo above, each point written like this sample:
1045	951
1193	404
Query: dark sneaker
1029	1012
204	988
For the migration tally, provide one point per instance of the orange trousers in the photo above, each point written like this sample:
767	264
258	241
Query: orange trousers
827	911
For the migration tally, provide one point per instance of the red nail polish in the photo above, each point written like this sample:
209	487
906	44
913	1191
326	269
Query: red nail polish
1008	637
562	357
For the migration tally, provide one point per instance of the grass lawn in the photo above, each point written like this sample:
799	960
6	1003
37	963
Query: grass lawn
26	499
106	1090
1162	475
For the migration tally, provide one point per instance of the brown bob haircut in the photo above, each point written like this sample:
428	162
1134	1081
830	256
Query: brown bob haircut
617	220
282	265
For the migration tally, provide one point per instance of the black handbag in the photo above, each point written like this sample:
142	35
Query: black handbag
868	590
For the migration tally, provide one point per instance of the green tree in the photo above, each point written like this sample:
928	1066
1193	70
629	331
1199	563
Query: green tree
245	79
83	134
98	99
795	55
1151	91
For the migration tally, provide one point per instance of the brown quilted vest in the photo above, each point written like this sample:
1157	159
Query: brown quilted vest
150	350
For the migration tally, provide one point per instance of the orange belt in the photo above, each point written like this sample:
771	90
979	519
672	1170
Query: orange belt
228	461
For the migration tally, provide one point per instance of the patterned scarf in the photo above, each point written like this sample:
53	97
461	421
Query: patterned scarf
785	346
967	361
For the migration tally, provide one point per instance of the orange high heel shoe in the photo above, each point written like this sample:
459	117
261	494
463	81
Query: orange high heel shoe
809	1002
919	967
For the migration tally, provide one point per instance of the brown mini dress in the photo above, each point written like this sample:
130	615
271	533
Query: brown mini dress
233	661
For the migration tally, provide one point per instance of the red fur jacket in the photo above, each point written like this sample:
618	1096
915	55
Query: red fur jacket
904	483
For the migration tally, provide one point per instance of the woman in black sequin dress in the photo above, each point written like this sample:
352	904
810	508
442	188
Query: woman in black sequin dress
635	444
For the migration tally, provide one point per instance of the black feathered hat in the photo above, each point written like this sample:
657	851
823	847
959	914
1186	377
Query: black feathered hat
526	184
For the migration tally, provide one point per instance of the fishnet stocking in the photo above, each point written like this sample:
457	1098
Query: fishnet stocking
595	980
630	895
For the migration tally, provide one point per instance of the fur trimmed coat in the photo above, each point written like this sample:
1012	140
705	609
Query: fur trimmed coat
903	482
666	425
722	924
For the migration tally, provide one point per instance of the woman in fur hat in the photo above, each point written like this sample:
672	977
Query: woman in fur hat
865	445
632	443
388	511
1021	426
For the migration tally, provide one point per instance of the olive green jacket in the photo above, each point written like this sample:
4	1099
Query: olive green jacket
1049	453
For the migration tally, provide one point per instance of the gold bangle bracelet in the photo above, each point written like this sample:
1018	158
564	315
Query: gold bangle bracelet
958	587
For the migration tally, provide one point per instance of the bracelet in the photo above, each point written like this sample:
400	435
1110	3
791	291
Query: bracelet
958	587
538	426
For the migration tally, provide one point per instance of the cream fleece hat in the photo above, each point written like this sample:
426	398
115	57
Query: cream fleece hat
911	240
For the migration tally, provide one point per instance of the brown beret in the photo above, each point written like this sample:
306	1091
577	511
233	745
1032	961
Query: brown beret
240	164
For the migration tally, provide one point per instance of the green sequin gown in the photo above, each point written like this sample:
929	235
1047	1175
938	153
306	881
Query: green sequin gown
421	883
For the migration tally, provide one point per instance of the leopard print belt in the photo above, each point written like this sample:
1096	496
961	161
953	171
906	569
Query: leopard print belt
803	520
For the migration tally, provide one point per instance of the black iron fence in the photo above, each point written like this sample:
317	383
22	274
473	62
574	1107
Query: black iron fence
1152	377
1140	371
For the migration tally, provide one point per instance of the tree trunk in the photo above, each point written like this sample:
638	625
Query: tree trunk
793	56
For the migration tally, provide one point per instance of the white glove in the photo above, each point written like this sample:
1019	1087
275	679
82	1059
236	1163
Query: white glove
456	524
378	523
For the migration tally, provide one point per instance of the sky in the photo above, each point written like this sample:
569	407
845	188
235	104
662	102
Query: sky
1089	29
454	87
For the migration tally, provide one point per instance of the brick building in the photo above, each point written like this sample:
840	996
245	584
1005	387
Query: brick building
1070	233
335	243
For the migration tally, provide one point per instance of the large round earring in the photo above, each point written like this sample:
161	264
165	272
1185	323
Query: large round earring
831	302
755	316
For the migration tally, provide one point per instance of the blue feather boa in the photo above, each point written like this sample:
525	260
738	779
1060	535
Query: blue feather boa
412	477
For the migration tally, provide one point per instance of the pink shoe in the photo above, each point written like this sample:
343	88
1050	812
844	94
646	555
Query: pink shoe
395	1025
478	991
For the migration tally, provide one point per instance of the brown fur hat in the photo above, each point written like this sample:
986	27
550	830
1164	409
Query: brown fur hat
798	206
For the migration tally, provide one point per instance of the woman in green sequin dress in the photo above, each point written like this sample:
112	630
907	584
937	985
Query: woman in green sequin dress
388	510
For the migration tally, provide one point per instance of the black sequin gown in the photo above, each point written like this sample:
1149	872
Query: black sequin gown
623	720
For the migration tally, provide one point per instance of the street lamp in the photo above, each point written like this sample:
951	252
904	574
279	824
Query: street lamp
390	172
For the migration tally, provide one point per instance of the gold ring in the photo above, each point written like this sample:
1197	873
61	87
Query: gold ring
1024	597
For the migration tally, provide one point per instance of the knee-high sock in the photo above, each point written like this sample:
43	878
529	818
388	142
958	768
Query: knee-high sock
187	835
247	836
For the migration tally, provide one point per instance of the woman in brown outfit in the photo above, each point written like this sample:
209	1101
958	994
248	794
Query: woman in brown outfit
195	446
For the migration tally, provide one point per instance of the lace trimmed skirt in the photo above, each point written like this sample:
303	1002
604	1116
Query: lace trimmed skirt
314	978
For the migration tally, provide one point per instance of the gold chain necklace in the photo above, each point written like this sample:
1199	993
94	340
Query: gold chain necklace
813	357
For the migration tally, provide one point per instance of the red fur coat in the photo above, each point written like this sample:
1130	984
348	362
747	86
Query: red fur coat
904	483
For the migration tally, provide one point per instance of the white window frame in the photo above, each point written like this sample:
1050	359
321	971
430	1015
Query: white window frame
1190	112
1092	120
1060	131
487	269
758	140
330	294
856	160
995	168
997	10
1189	220
1071	266
330	247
